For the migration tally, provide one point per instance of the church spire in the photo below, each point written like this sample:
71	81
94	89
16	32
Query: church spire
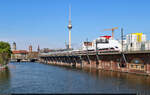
38	49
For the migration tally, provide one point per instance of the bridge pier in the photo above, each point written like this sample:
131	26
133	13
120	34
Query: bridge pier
55	61
148	69
63	61
78	63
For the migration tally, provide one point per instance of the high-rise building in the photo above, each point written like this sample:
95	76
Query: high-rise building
135	41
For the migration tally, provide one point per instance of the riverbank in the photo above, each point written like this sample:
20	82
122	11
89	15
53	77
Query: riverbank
4	60
5	54
3	67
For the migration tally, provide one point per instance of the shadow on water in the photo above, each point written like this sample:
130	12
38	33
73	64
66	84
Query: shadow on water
4	79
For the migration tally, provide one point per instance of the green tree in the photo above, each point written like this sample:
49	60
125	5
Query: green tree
5	52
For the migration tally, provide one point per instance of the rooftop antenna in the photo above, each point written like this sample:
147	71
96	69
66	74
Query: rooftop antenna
69	14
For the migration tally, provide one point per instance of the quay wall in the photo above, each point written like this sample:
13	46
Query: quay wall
138	63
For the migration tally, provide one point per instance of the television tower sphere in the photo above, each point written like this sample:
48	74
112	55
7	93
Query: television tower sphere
69	26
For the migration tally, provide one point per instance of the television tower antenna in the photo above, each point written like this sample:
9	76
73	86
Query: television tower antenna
70	26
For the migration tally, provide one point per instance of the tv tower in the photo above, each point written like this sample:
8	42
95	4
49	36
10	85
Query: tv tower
70	26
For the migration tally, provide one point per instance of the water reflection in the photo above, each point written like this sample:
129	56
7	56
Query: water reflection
131	79
118	82
138	83
44	78
4	79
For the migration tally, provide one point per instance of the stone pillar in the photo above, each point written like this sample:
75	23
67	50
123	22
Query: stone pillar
148	68
63	60
75	61
93	64
78	64
60	60
81	60
57	60
45	60
52	60
100	64
128	67
111	65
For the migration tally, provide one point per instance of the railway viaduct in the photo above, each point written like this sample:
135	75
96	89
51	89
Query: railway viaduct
130	62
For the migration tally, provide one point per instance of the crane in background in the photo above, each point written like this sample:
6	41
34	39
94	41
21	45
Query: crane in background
112	29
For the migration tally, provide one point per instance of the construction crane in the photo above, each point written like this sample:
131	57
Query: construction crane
112	29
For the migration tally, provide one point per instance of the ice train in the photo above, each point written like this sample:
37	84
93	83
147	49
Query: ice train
103	43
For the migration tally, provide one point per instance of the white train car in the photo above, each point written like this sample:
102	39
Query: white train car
105	43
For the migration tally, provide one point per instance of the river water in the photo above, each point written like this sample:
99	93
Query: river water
43	78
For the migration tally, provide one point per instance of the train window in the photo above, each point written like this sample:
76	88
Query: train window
106	41
131	66
103	41
142	67
112	48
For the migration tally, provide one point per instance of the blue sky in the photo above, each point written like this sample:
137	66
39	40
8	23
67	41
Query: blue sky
44	22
